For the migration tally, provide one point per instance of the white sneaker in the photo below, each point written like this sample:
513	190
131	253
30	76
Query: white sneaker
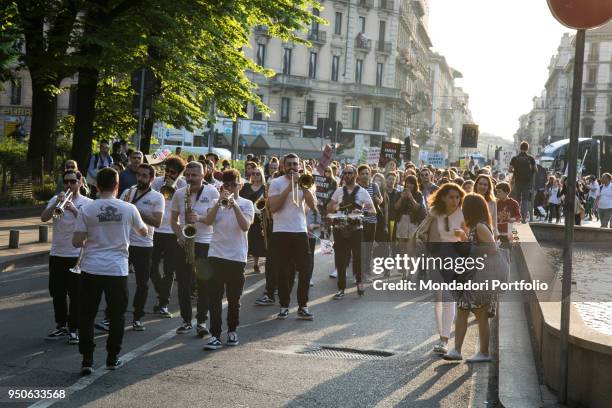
479	358
440	348
453	355
334	274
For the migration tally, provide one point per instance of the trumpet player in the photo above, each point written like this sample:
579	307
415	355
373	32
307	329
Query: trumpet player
165	244
288	200
150	205
201	196
63	284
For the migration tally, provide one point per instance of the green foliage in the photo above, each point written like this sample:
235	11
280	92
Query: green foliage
12	153
9	40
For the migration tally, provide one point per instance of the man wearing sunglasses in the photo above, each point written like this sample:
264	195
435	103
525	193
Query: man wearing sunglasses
165	245
64	284
427	186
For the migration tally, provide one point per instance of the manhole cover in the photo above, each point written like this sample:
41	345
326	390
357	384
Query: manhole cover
344	353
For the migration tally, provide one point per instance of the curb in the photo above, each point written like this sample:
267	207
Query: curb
7	261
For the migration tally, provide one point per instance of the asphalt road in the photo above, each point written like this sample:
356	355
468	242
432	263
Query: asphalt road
267	369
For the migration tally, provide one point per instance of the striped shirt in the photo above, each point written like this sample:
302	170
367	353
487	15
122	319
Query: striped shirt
371	219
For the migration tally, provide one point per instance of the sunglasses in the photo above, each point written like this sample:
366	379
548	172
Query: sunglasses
230	185
71	181
70	167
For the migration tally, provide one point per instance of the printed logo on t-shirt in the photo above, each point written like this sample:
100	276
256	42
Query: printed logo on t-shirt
109	213
204	200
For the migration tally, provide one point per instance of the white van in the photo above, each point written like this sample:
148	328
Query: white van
198	150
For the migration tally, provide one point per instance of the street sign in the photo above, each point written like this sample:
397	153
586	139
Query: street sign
149	80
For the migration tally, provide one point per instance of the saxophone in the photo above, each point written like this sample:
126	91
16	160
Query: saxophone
189	231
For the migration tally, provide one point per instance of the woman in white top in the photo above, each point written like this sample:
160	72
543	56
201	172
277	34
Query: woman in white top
445	204
483	185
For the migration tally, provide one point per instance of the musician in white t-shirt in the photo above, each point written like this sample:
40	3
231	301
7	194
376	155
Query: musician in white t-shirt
165	245
231	217
63	256
202	198
287	202
150	205
103	230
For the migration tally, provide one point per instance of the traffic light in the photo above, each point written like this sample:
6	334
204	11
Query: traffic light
408	149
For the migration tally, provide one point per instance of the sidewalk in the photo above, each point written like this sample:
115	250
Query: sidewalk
28	239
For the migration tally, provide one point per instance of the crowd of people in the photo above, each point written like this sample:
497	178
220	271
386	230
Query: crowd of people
199	221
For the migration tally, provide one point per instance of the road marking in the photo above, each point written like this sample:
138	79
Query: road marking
86	381
22	271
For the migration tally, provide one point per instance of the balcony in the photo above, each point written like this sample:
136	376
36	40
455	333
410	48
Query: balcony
372	91
386	4
317	37
383	47
366	3
590	84
363	43
290	81
261	30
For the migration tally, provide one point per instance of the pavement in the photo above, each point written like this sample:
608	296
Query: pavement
268	368
28	240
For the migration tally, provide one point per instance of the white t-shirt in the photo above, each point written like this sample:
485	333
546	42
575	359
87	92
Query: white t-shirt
290	217
207	197
605	197
61	245
229	241
594	189
108	223
157	185
455	221
362	197
149	203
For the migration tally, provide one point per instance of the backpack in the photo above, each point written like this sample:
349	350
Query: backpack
523	167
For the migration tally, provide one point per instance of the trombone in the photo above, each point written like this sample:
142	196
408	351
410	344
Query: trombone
58	211
305	181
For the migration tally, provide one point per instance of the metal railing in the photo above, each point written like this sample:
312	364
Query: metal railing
371	90
386	4
291	80
384	47
317	36
366	3
261	29
363	43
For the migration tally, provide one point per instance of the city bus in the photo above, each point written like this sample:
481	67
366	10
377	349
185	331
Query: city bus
596	153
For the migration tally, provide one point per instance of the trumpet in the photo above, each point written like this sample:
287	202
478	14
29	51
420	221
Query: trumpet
189	231
225	202
305	181
58	211
168	189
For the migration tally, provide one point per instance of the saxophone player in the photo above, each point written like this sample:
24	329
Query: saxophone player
165	245
63	256
201	197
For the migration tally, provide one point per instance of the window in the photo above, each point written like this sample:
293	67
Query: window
594	52
610	105
592	75
358	71
285	110
335	67
361	24
379	74
16	92
355	118
261	54
589	103
376	119
587	130
310	113
287	61
338	24
257	115
312	65
610	129
331	113
315	25
381	34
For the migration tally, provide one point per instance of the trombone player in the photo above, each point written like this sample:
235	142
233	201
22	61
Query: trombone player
189	207
63	284
165	244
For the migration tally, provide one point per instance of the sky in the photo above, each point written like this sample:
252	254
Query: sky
502	48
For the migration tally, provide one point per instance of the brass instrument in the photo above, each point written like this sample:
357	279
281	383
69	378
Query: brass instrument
130	194
58	211
225	202
77	268
168	189
305	181
262	211
189	230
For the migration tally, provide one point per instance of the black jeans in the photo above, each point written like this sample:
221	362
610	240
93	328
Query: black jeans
115	290
343	248
64	285
165	247
186	279
312	244
369	233
140	257
228	277
553	211
522	193
292	248
271	275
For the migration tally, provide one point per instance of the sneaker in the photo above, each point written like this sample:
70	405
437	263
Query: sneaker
283	314
440	348
264	301
213	344
334	274
479	358
184	328
232	338
339	295
87	367
102	325
57	334
113	363
202	330
311	283
164	312
73	338
138	326
304	314
453	355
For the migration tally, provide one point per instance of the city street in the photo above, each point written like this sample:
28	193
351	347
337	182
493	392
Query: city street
268	368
